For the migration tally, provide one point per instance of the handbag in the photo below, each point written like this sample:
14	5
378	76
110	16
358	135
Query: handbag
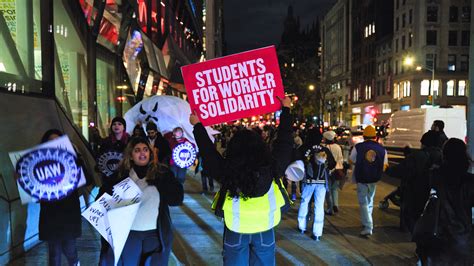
427	229
339	174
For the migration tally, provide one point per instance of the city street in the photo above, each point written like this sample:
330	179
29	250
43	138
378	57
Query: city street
198	235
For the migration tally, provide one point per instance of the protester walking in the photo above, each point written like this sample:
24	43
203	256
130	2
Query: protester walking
414	173
150	239
251	195
178	138
318	162
454	187
160	146
370	160
60	221
332	196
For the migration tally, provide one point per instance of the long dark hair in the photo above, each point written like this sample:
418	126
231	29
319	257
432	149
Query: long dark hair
50	132
456	161
246	156
126	164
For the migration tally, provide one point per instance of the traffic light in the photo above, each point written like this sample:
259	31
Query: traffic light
429	100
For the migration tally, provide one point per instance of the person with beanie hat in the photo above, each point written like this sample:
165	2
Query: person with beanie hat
318	162
332	196
371	160
414	172
161	147
118	137
115	143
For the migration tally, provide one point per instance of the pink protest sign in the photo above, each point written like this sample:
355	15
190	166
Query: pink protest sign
235	86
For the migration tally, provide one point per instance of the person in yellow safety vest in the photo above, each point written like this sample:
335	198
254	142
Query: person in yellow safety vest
252	196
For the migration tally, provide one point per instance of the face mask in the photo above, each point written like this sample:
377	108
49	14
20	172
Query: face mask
321	160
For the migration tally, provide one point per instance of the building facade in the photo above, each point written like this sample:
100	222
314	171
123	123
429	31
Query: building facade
371	23
74	65
336	63
430	53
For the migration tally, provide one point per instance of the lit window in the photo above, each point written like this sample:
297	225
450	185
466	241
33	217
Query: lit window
386	108
366	32
452	62
462	88
450	88
373	29
425	87
435	88
396	89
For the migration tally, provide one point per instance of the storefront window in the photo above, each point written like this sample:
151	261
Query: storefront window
20	40
70	68
106	96
133	47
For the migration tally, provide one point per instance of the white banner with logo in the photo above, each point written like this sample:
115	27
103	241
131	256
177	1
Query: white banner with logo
184	155
108	162
48	171
113	216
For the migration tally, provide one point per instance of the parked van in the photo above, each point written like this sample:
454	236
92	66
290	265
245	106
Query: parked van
407	127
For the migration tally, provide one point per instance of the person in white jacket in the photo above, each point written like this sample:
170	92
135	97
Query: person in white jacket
332	195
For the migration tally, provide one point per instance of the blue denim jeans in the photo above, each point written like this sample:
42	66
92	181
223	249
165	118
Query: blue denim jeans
142	248
365	195
249	249
68	247
179	173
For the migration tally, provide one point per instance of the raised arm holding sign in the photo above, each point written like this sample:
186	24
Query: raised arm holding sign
235	86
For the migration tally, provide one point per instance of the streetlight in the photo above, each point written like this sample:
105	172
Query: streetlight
311	87
408	61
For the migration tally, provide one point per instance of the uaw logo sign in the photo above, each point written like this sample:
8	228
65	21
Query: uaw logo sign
108	162
48	174
184	155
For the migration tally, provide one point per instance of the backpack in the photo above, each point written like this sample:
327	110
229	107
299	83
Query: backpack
427	228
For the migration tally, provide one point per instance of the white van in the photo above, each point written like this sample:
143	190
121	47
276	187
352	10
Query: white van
407	127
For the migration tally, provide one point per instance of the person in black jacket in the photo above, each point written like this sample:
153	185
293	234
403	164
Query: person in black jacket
151	235
60	221
455	188
161	147
438	126
414	173
248	173
318	162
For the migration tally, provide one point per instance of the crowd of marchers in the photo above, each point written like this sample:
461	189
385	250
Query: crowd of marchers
250	165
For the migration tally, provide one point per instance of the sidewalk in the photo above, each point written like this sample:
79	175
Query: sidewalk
198	235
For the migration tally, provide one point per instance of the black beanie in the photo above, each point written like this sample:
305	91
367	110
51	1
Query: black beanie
431	139
151	126
313	137
120	120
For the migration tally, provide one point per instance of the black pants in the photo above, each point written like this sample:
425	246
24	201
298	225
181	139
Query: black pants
57	247
206	179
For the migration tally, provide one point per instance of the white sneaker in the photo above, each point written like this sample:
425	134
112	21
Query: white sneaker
366	232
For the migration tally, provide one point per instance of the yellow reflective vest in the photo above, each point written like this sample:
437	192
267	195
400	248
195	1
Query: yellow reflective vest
254	215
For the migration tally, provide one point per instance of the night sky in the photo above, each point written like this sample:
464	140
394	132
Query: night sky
251	24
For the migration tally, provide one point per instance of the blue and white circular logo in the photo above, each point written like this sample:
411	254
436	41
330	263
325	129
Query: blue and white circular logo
48	174
108	162
184	155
